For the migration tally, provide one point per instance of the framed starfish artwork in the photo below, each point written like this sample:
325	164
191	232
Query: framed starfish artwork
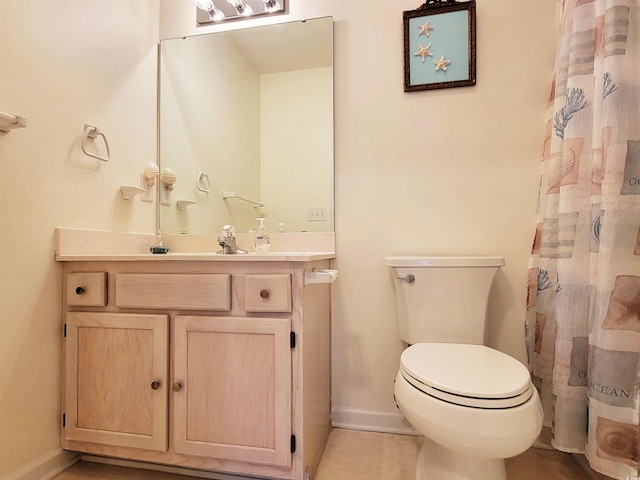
440	45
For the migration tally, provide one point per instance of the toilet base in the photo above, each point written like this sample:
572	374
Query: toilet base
436	462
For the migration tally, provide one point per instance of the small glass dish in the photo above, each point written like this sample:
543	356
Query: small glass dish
160	247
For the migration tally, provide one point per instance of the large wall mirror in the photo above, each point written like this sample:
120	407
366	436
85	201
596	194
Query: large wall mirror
248	112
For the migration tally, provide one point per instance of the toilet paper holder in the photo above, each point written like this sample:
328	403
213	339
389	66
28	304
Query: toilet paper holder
320	276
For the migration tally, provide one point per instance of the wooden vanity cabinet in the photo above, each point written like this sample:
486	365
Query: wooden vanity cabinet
219	366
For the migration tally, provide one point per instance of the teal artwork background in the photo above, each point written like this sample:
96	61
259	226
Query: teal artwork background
449	37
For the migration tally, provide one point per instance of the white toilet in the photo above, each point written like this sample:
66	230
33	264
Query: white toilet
475	405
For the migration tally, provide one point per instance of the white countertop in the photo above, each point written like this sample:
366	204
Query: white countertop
200	257
76	245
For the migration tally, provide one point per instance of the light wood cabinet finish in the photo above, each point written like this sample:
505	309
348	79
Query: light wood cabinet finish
173	290
113	360
87	289
218	366
233	377
267	293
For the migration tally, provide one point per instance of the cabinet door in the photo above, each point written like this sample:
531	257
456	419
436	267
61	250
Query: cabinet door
116	379
232	388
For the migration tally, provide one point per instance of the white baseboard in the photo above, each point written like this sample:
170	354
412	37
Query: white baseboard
46	467
357	419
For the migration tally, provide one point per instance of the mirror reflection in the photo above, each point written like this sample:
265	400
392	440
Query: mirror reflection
246	129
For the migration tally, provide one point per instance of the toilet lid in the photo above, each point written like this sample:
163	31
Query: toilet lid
469	375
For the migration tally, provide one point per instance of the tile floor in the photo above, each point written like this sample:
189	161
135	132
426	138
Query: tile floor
355	455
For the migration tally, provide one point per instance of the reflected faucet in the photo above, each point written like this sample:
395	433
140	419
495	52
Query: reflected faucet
227	240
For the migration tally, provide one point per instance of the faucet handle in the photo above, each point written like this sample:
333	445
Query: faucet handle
228	230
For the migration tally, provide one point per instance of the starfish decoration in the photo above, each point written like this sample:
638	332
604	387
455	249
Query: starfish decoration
441	64
425	29
424	52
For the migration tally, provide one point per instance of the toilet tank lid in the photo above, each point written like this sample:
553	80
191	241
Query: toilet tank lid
443	261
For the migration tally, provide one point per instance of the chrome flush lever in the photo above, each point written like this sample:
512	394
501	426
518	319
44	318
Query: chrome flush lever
409	278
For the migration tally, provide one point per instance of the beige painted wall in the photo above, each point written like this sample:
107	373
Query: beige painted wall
62	64
210	122
296	148
442	172
451	171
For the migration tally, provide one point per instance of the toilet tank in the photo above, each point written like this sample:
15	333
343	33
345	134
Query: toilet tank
442	299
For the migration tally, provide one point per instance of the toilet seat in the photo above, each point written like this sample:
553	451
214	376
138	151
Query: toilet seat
467	375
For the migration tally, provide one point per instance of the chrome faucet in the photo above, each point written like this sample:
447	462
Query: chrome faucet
227	240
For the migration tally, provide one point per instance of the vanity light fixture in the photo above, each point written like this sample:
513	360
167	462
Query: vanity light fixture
208	12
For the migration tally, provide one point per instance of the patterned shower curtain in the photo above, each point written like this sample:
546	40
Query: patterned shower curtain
583	321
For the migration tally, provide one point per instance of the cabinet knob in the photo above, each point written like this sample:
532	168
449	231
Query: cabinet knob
79	290
155	385
176	387
264	293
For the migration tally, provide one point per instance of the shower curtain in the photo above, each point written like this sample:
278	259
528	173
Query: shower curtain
583	317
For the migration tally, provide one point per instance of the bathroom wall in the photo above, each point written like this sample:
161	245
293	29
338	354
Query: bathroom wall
450	171
296	143
209	121
62	64
442	172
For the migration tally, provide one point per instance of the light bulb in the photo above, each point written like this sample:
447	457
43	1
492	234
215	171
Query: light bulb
217	15
209	7
271	6
206	5
241	7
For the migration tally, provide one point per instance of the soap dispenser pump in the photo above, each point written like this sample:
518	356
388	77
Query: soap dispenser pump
262	244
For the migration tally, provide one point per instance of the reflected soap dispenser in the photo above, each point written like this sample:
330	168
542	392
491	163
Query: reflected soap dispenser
261	243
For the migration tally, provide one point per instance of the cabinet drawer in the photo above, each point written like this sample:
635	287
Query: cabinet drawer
181	291
87	289
267	293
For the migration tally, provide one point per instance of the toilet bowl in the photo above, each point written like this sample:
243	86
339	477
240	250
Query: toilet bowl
475	406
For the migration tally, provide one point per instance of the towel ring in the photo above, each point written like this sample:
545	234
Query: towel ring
202	182
93	132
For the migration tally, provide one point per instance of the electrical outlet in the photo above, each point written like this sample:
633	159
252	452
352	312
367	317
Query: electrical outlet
318	214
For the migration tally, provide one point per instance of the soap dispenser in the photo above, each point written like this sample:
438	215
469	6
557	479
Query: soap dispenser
262	244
